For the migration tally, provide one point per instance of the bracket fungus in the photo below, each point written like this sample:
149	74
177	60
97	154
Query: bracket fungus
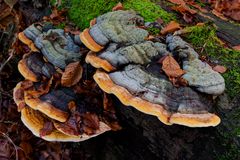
114	57
60	100
153	94
35	121
58	47
198	74
33	67
117	27
54	102
74	116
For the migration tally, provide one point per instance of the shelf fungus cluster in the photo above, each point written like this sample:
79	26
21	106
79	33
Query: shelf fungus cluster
57	101
133	72
63	100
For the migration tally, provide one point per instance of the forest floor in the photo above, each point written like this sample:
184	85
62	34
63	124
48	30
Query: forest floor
214	34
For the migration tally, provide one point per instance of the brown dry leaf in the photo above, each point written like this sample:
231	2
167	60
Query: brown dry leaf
26	147
218	14
5	10
47	129
228	8
90	123
172	68
184	9
5	150
237	48
107	103
200	24
72	74
10	3
71	126
109	113
187	17
171	27
93	21
119	6
160	20
177	2
220	69
3	128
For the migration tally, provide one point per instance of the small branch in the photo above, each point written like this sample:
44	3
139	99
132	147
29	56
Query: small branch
14	145
9	58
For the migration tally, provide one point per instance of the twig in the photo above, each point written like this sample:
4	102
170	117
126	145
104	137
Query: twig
9	58
202	48
14	145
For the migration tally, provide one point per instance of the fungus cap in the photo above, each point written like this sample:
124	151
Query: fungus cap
26	72
34	121
98	62
46	108
167	117
27	41
89	42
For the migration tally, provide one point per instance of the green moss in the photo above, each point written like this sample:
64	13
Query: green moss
204	38
81	12
149	10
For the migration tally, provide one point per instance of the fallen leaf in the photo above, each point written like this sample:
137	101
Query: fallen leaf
219	15
109	113
72	74
237	48
3	128
172	69
90	123
54	13
171	27
6	10
93	21
10	3
220	69
107	103
26	147
227	8
119	6
183	9
71	126
150	37
177	1
5	150
200	24
187	17
159	20
47	129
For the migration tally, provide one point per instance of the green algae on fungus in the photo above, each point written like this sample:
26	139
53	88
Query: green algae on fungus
204	38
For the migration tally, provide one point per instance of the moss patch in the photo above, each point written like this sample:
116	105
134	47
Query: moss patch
149	10
81	12
204	37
